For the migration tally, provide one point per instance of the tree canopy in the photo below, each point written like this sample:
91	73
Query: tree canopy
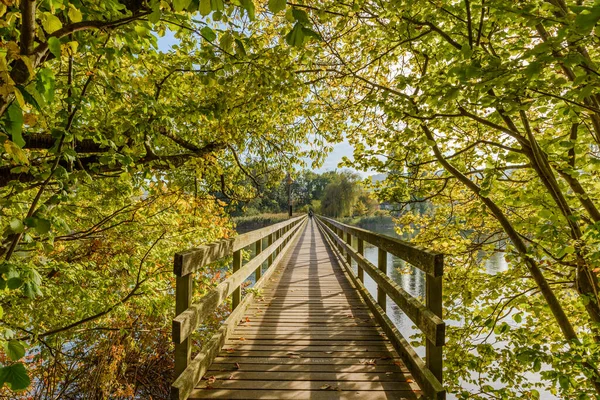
117	153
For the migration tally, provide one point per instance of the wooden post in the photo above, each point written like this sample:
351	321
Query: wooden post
236	296
349	242
258	249
184	286
382	265
269	243
433	301
361	251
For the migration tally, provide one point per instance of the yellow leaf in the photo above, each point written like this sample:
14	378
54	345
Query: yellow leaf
51	23
74	14
20	99
17	154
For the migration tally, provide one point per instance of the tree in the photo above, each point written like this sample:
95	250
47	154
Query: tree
116	154
490	111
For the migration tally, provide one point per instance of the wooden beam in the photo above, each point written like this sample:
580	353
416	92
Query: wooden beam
382	266
428	261
184	289
257	250
189	261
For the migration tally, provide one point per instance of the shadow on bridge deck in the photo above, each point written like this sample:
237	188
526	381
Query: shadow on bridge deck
310	336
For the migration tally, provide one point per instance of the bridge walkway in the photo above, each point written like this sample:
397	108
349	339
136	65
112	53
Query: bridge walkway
309	335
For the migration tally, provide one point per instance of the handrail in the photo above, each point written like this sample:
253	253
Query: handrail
428	317
188	315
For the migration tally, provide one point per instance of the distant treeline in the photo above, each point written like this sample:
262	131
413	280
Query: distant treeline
334	194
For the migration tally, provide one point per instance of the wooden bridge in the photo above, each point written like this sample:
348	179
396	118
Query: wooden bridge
309	329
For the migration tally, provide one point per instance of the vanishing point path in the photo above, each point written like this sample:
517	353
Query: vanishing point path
308	336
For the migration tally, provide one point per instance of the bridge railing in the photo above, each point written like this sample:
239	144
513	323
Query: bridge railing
427	317
189	315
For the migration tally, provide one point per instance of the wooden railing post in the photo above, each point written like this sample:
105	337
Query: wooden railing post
349	241
382	265
433	301
184	286
361	251
236	296
270	242
258	246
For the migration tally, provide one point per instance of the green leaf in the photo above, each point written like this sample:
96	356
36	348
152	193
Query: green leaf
248	5
54	46
310	33
204	8
587	19
239	48
14	283
217	5
563	381
14	349
42	226
51	23
15	124
180	5
29	98
277	5
295	37
226	42
15	376
300	16
208	34
74	14
16	225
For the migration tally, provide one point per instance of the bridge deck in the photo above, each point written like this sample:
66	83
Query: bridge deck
310	336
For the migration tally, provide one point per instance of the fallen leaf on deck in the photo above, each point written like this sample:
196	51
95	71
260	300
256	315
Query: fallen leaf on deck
328	352
242	339
211	379
237	366
230	377
409	381
230	350
247	319
369	362
325	387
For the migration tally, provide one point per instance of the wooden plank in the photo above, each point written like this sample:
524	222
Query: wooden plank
188	261
428	261
305	385
303	394
310	376
184	290
427	381
341	368
308	361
